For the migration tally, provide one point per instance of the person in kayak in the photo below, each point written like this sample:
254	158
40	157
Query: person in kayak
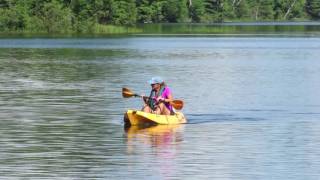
159	100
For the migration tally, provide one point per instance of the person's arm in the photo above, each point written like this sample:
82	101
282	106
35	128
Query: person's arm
167	96
145	99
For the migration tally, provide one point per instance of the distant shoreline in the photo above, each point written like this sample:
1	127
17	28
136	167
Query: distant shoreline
157	29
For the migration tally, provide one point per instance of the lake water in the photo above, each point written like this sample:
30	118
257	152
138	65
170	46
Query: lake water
253	105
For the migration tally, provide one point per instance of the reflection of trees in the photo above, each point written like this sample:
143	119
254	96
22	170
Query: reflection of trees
61	65
254	28
68	83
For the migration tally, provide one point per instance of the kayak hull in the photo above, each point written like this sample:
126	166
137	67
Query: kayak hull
136	118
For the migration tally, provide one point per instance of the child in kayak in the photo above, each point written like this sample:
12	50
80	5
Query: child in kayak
160	96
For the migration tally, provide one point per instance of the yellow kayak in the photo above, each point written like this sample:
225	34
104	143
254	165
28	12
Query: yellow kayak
135	118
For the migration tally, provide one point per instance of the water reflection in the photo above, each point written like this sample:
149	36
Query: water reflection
233	28
159	136
159	145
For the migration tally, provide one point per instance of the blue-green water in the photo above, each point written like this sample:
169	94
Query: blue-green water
252	103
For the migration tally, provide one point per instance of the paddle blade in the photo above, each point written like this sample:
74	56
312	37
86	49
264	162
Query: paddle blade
177	104
127	93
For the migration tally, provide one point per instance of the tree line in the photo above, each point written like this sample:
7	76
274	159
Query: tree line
89	15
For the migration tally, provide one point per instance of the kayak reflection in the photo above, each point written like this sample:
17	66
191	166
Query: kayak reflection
156	136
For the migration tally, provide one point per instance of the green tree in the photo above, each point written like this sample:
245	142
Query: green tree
313	8
103	11
56	18
4	3
196	10
83	19
289	9
278	9
124	12
296	10
227	9
175	11
13	15
241	9
145	11
214	10
262	9
158	6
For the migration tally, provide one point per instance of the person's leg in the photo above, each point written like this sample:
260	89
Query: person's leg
147	109
162	109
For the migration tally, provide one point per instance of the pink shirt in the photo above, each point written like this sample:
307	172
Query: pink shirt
165	94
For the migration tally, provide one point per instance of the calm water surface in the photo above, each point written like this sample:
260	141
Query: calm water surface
253	106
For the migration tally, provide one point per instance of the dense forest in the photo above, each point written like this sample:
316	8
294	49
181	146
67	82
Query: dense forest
65	16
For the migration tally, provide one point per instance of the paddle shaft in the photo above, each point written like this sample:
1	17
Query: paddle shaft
177	104
127	93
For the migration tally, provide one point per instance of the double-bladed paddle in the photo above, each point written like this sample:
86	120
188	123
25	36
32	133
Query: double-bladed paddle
127	93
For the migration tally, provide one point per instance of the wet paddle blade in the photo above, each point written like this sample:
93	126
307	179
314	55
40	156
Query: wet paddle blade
177	104
127	93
